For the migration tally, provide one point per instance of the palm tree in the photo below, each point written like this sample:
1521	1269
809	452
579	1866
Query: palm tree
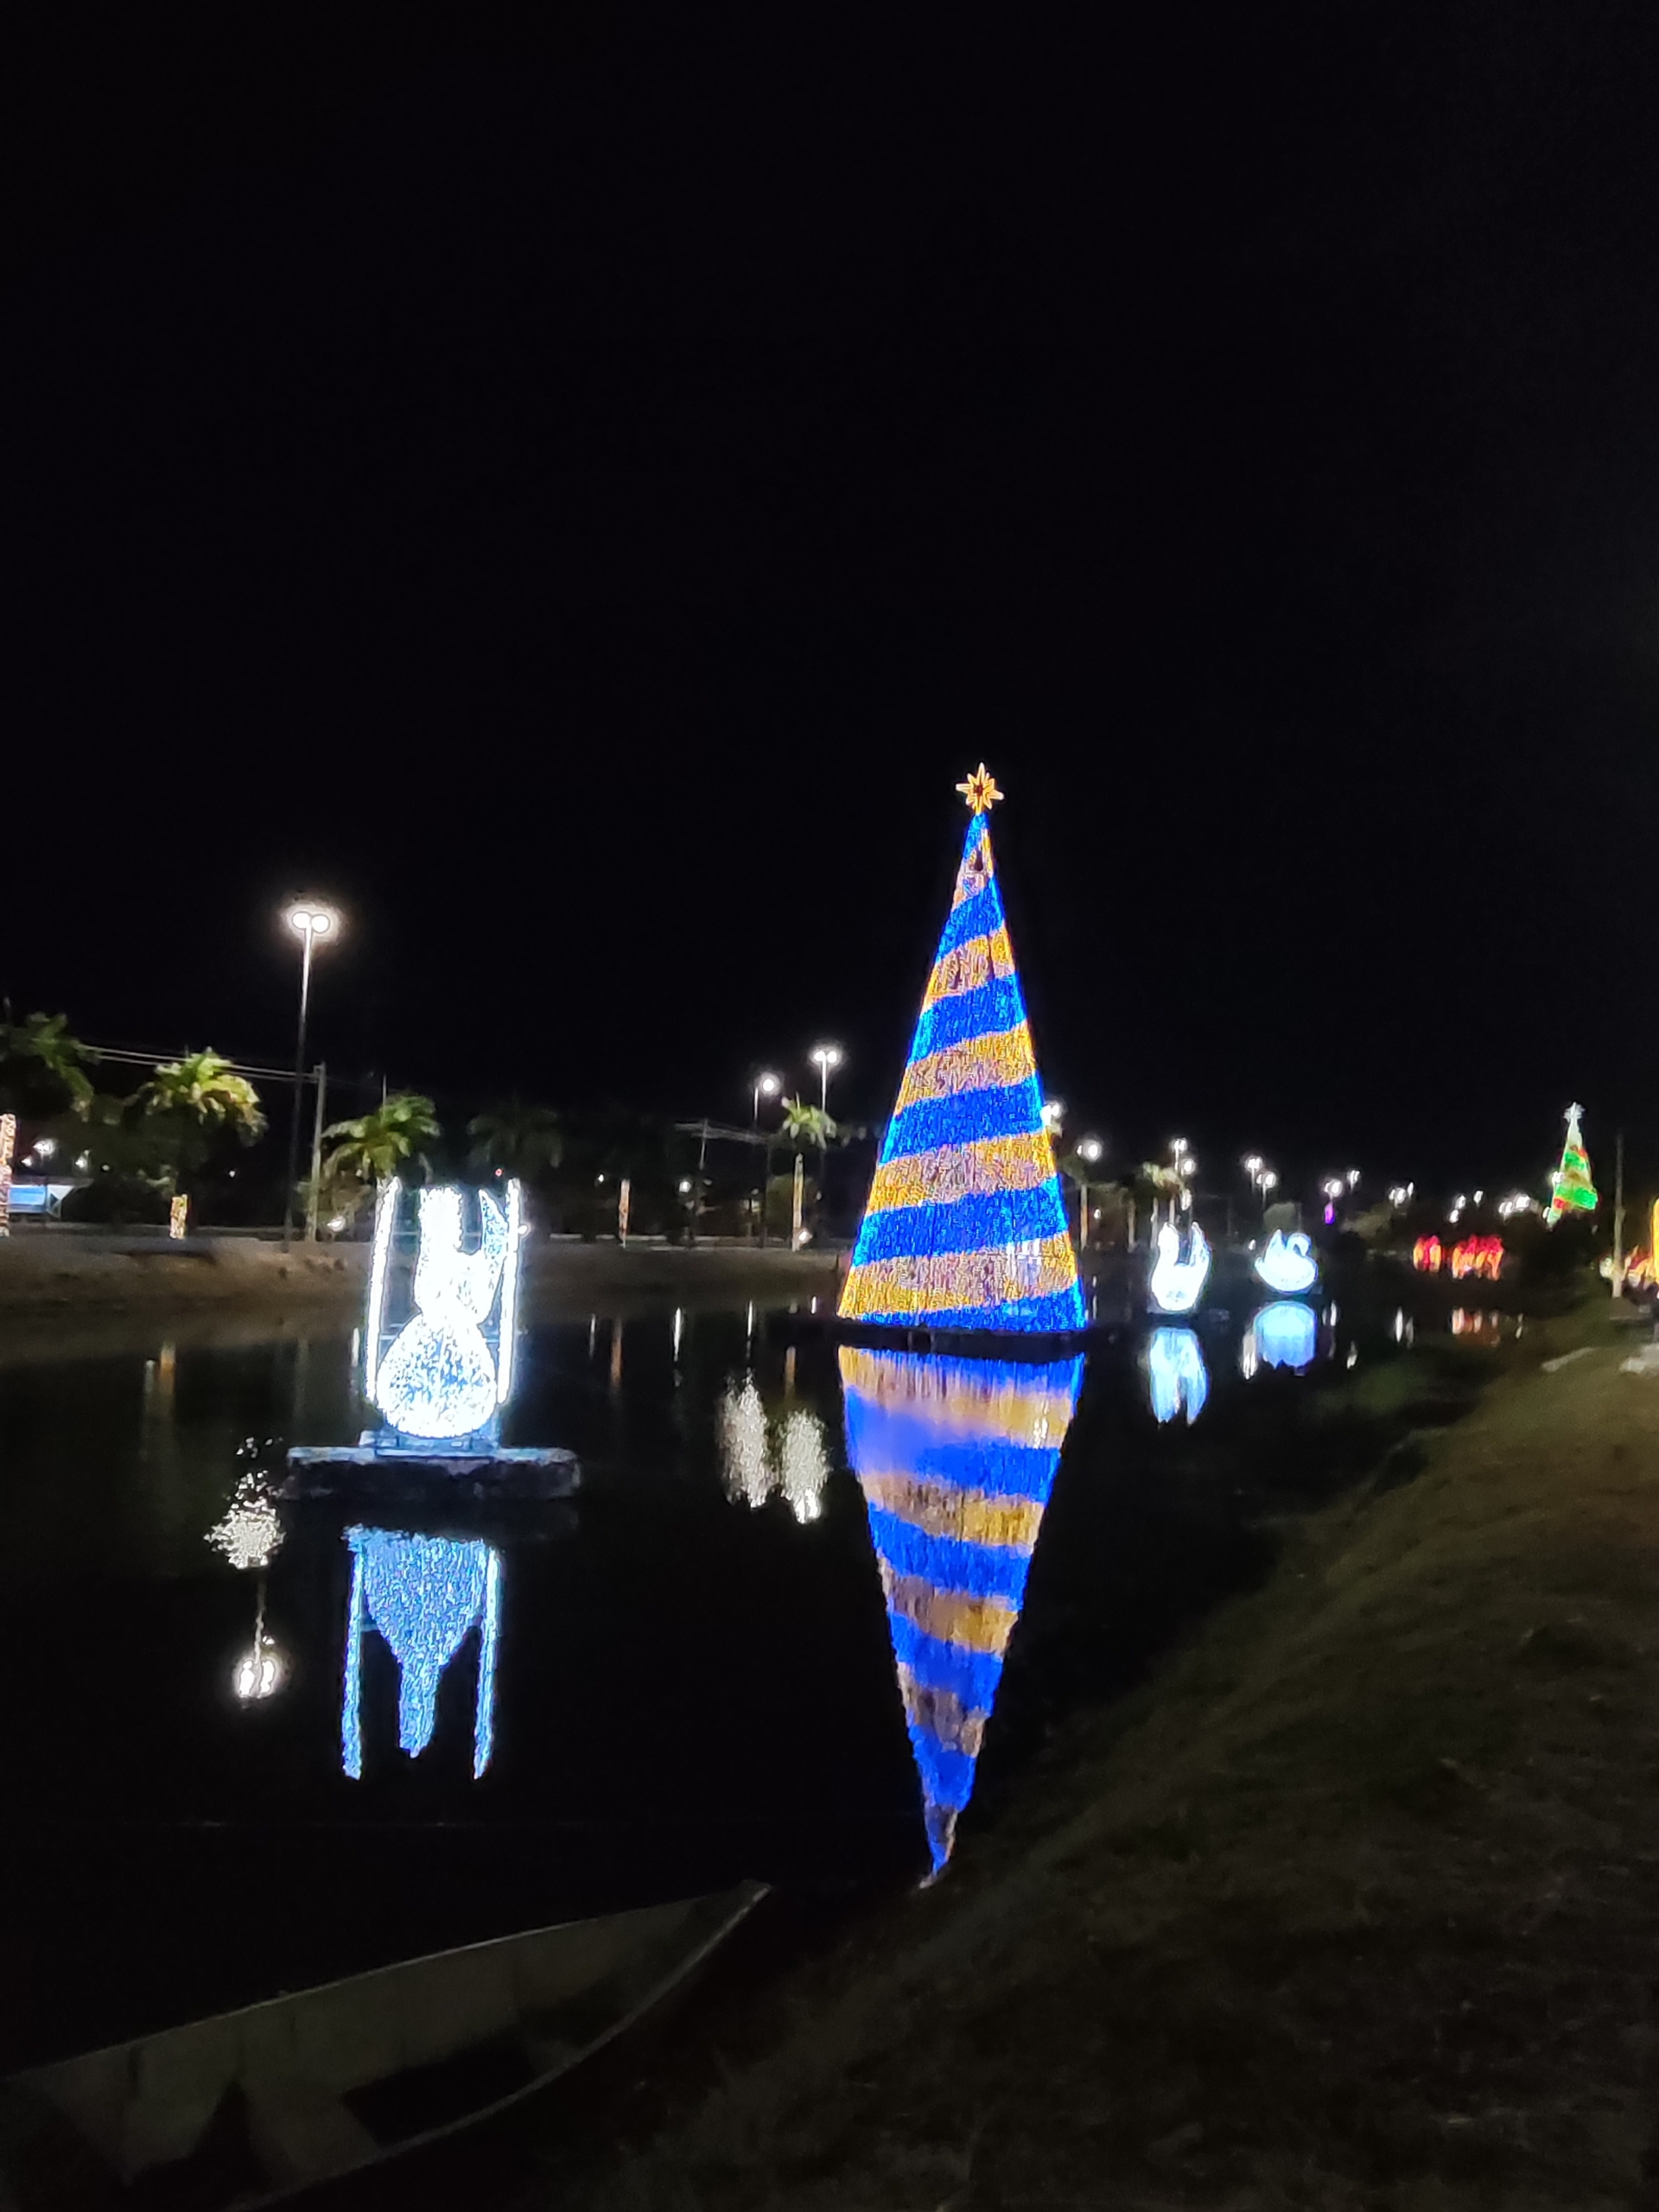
177	1116
43	1068
519	1139
205	1088
373	1147
803	1125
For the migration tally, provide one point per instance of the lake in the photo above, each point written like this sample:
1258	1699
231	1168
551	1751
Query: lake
730	1656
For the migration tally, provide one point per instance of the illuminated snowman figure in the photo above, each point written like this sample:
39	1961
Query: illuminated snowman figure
439	1376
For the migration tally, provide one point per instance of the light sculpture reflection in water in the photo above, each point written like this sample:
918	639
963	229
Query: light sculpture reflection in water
1177	1378
1286	1334
448	1369
1176	1284
424	1594
748	1469
956	1458
1287	1266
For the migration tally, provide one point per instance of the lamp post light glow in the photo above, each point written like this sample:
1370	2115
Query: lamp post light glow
313	923
1088	1151
765	1086
824	1057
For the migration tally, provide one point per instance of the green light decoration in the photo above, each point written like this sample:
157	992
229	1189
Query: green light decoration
1571	1190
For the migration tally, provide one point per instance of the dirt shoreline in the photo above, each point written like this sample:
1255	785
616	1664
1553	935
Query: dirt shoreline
46	1277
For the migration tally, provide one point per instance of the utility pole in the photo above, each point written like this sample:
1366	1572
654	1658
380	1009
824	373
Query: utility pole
1618	1215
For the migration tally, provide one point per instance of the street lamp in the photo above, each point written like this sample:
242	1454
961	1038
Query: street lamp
823	1058
312	922
1088	1151
765	1086
1053	1113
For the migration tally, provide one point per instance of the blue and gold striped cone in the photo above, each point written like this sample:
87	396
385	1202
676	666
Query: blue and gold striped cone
965	1226
956	1458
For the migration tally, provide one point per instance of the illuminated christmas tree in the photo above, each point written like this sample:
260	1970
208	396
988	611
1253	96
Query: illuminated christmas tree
1571	1190
965	1226
956	1458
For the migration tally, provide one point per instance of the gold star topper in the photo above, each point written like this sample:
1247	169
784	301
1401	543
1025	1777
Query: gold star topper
980	790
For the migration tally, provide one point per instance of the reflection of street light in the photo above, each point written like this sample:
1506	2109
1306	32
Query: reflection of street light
823	1058
259	1672
312	922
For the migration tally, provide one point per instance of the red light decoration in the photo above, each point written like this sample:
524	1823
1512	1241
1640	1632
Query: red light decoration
1426	1256
1478	1256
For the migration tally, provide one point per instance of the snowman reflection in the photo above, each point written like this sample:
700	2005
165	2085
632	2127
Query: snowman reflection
439	1378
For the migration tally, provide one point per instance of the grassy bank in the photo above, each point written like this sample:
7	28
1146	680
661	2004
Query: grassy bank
1354	1904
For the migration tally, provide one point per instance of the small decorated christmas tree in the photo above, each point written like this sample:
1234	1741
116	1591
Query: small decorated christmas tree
1571	1190
965	1228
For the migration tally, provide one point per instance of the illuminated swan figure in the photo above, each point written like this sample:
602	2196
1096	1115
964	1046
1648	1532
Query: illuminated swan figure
1175	1283
1287	1266
1177	1378
439	1378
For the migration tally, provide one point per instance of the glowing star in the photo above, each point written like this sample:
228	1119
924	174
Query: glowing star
449	1369
980	790
1177	1379
424	1594
1174	1283
1286	1334
1287	1266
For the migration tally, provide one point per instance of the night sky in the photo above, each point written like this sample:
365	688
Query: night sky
584	502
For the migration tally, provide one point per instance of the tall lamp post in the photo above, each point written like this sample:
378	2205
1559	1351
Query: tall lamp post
766	1085
823	1058
1088	1150
311	921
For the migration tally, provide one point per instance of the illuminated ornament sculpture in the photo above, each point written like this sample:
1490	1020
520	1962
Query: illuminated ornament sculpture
1286	1334
1478	1256
956	1458
1571	1190
1174	1283
965	1228
1177	1378
448	1369
1426	1255
424	1594
1287	1266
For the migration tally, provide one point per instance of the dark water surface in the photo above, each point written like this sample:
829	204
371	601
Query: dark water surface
694	1677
